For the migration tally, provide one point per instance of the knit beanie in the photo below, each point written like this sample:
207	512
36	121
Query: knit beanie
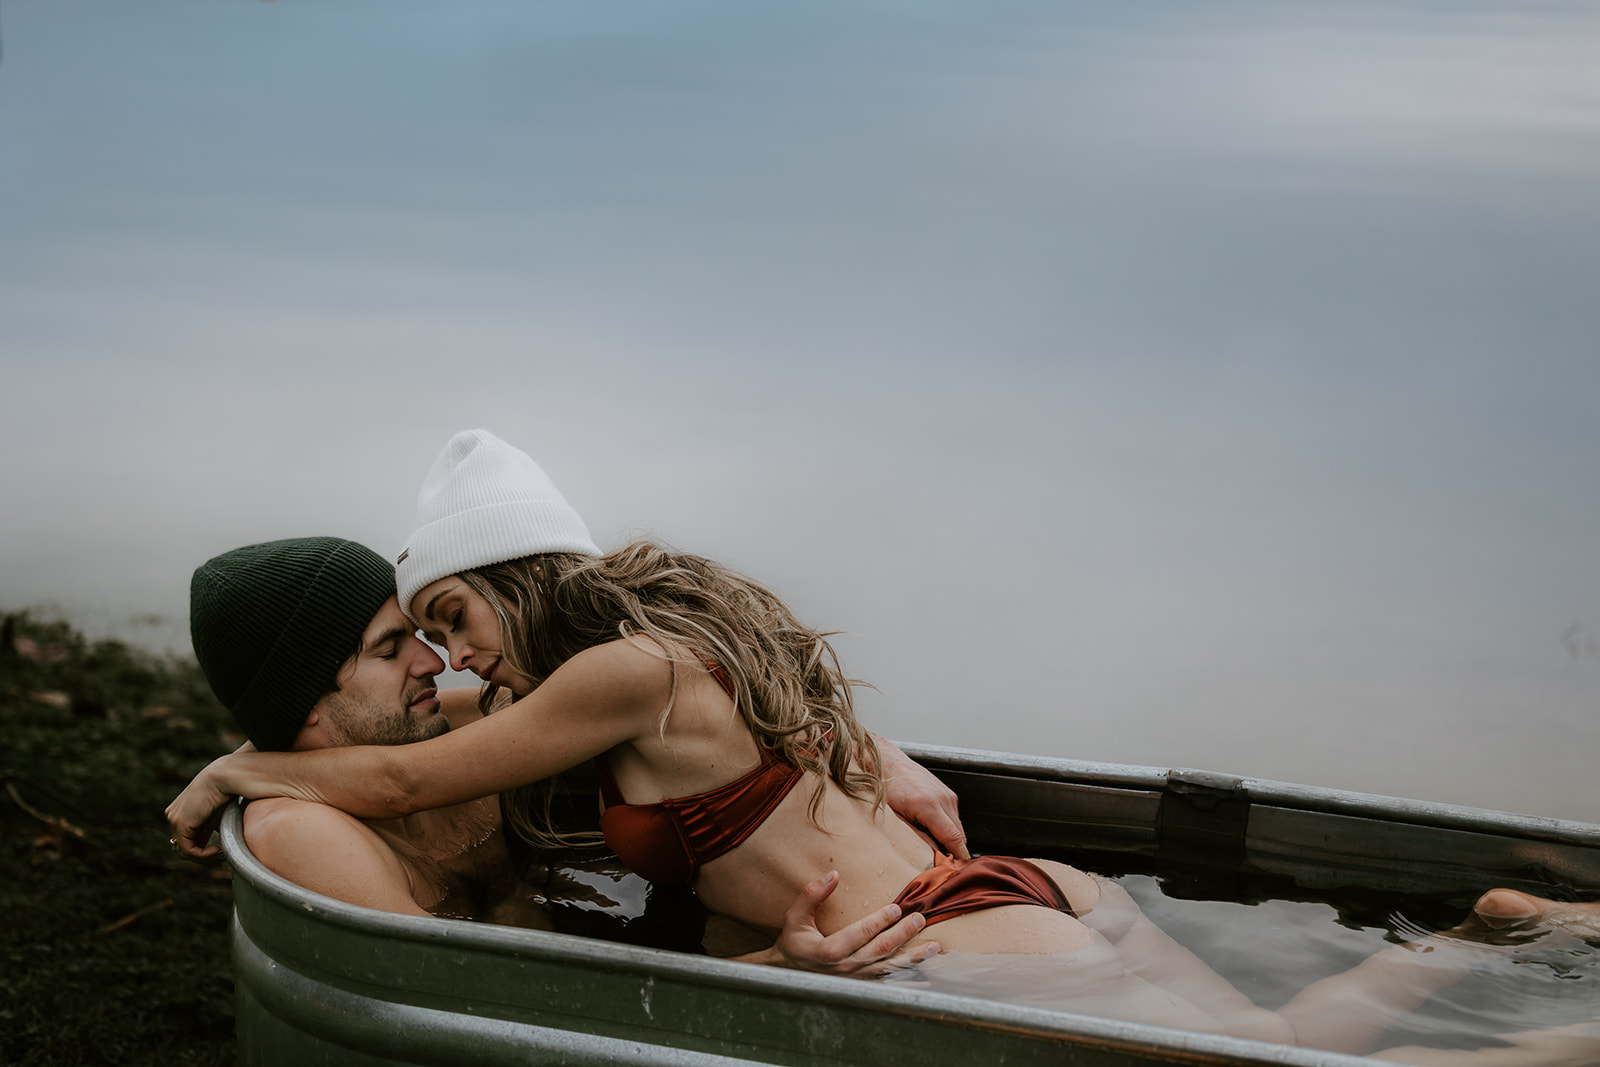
484	502
272	624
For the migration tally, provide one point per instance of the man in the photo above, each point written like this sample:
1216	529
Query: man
302	640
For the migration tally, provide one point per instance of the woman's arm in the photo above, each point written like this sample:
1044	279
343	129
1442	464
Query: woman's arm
597	700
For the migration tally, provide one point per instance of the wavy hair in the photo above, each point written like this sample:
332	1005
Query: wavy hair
787	683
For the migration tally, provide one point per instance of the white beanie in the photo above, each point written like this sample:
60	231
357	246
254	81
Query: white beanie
484	502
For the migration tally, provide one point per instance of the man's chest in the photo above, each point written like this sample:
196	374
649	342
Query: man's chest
451	852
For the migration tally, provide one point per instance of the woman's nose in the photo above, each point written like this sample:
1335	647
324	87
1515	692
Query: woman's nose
461	657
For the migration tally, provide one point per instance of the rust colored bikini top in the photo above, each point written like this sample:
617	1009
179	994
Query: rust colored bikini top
670	841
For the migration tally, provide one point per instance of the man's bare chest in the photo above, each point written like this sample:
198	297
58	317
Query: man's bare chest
451	852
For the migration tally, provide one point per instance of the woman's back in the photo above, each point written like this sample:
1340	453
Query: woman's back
703	744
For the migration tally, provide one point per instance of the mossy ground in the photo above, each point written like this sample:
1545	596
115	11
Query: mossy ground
114	951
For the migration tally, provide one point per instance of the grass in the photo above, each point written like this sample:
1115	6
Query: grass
114	951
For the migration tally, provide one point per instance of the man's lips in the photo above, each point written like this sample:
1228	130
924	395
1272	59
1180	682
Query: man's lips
427	700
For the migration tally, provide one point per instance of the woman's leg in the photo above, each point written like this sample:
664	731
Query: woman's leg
1151	954
1577	1045
1566	1046
1348	1012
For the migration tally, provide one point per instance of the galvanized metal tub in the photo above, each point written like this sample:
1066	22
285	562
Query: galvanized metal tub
323	982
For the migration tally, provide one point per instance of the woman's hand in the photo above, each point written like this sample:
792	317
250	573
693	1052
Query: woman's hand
914	794
197	812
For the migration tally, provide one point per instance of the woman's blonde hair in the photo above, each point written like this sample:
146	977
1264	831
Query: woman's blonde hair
787	684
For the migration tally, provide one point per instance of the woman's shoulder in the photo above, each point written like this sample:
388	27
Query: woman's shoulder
636	665
644	677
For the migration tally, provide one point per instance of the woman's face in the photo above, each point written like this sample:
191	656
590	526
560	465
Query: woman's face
456	617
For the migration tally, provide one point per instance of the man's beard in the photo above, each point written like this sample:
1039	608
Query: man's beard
360	722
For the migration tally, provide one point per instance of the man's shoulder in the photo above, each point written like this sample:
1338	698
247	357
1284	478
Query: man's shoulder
274	825
330	852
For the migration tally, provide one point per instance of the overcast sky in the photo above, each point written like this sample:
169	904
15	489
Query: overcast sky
1212	386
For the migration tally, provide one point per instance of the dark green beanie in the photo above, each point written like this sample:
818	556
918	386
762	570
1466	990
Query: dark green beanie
272	623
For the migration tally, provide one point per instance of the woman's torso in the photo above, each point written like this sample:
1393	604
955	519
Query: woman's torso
705	744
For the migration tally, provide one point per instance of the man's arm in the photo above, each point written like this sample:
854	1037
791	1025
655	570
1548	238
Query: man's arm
324	850
877	943
918	797
864	949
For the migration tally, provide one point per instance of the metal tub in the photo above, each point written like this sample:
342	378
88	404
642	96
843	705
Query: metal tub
323	982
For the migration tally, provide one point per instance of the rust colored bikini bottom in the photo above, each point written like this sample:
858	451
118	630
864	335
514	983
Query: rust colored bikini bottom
954	887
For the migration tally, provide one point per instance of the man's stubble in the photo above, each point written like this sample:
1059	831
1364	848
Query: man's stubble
358	720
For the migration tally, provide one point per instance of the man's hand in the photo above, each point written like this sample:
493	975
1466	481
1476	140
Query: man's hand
918	797
865	949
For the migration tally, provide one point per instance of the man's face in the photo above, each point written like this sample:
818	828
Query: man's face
385	695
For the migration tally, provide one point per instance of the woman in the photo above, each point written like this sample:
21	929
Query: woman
730	759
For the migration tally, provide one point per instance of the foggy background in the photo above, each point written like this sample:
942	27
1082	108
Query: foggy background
1209	386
